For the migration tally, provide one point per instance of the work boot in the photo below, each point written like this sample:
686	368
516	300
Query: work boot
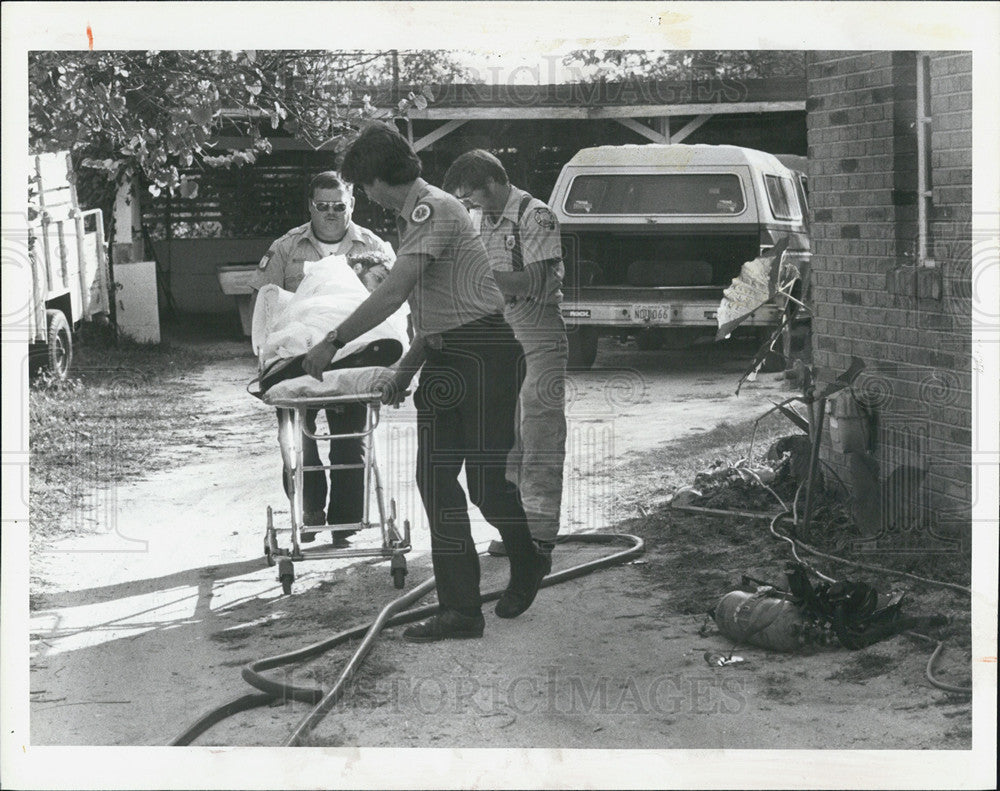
516	599
446	625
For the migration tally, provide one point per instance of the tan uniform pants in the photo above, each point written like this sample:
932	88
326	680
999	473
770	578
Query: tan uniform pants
535	463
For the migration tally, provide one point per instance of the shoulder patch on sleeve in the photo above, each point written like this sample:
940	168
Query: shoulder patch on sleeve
545	218
267	257
421	213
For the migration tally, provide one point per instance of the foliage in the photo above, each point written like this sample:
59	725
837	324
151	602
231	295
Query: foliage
155	113
623	65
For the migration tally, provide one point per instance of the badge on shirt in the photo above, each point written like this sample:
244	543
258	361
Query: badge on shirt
545	218
421	213
265	259
509	241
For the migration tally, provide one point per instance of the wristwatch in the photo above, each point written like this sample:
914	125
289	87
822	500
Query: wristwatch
333	340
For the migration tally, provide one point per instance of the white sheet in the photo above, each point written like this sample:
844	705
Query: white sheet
287	324
342	382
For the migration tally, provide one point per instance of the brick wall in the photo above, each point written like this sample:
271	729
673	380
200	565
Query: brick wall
910	324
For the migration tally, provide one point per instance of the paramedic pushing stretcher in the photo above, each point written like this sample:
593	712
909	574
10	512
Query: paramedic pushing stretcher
328	232
468	387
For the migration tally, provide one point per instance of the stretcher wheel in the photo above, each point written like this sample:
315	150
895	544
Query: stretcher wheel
286	576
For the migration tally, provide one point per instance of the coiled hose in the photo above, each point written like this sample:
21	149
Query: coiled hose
396	613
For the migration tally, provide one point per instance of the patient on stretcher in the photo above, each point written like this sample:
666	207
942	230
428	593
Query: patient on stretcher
286	325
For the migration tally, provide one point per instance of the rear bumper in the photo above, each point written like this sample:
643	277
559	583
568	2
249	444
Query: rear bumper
656	313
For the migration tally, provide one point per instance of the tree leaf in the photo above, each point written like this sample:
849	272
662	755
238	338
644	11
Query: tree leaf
202	114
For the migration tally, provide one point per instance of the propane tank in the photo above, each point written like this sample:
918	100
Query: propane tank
764	619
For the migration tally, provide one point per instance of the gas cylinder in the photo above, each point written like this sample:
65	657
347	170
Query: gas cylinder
764	619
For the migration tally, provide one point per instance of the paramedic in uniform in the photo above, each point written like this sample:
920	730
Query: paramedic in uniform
468	387
328	232
521	237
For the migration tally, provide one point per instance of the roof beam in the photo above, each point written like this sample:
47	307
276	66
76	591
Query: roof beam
432	137
689	127
521	112
642	129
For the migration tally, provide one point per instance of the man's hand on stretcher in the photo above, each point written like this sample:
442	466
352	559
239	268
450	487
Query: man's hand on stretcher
394	381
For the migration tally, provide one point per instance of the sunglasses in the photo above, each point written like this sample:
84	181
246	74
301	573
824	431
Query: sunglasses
337	207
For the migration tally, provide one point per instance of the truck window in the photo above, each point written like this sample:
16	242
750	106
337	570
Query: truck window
673	193
781	196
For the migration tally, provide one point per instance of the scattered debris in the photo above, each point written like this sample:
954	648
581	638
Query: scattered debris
718	660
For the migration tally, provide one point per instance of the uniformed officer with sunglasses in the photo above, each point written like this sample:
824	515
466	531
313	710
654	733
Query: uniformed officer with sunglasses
329	231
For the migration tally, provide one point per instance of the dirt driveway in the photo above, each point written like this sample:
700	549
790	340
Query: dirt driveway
144	624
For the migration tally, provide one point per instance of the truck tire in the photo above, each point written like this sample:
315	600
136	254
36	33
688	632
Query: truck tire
582	348
58	348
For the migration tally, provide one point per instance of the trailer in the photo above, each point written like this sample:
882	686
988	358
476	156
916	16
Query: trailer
70	282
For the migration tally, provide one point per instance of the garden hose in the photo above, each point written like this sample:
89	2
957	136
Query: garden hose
393	614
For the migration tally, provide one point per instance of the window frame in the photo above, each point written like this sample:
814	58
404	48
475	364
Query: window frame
578	214
791	194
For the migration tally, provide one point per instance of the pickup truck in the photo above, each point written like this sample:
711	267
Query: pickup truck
70	281
653	234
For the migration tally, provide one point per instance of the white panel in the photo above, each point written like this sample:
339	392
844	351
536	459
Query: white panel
135	300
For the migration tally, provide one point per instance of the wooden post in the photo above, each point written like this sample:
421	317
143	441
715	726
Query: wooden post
663	127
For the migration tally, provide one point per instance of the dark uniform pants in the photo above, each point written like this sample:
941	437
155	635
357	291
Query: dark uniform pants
465	403
347	487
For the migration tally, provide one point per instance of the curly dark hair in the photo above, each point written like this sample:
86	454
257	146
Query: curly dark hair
380	152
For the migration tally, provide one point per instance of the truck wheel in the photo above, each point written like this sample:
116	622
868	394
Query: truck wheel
59	352
582	348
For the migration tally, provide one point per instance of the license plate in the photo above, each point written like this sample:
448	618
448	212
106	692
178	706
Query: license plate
651	313
576	313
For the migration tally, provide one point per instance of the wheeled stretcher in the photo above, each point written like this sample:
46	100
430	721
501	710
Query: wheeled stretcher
293	398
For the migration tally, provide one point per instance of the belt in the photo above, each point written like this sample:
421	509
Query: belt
472	330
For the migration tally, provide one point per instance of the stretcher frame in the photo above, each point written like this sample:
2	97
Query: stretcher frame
291	428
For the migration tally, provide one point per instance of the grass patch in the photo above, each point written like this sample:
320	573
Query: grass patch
110	422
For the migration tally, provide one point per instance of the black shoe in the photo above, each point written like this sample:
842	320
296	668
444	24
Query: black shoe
515	601
341	538
446	625
311	518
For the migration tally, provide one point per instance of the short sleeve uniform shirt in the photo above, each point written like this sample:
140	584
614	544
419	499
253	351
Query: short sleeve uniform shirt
540	242
456	284
284	264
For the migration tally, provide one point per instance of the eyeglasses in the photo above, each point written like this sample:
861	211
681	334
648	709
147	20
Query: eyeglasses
337	207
